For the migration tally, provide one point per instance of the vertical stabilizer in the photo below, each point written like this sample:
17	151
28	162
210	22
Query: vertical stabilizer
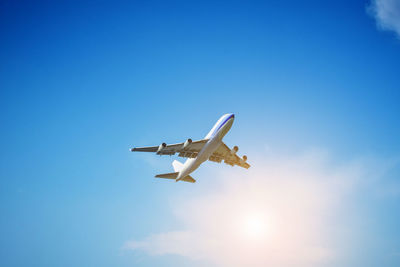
177	165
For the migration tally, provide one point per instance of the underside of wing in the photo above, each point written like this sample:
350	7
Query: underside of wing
229	156
187	149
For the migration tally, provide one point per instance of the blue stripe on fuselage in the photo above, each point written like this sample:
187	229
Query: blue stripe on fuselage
223	123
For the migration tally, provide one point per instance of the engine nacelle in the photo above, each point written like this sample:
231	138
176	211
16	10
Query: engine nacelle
234	150
244	158
187	143
161	147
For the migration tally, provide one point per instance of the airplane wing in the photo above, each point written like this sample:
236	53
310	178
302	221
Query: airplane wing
224	153
187	149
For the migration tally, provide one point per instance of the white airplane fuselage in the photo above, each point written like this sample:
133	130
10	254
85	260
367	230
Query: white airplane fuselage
214	138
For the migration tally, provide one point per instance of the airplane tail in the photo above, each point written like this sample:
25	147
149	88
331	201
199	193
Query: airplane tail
177	165
177	168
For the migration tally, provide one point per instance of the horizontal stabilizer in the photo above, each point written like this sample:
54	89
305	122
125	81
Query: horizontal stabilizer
171	175
189	179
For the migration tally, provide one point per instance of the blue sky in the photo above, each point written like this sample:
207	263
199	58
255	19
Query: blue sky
312	84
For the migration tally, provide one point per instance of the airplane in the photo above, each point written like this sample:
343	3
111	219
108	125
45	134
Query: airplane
210	148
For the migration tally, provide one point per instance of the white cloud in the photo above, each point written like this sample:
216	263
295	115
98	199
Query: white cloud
387	14
281	212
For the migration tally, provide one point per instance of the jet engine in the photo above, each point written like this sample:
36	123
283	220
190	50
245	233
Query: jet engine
234	150
161	147
244	158
187	143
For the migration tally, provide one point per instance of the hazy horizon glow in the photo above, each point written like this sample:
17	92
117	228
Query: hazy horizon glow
285	211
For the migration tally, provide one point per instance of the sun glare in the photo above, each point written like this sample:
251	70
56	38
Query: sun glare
255	226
